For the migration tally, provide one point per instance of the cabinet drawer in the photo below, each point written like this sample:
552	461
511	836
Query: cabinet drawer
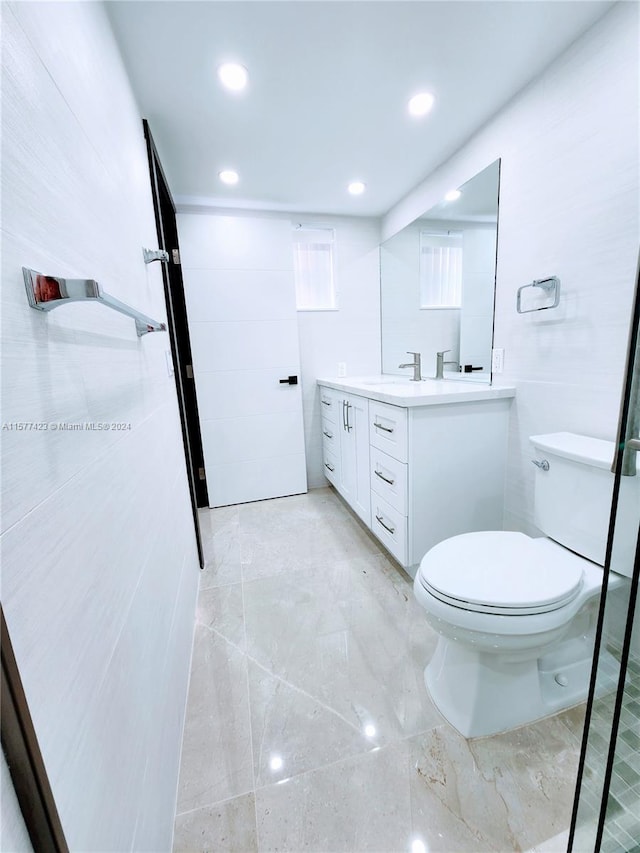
329	405
330	466
389	479
390	527
388	429
330	435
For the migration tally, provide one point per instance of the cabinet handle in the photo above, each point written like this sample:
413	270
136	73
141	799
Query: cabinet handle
389	529
349	427
382	477
344	409
326	402
326	465
328	434
379	426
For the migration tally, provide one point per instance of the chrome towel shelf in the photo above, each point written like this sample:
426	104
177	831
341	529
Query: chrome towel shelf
550	285
46	292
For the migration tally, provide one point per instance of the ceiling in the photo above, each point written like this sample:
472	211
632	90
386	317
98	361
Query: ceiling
329	82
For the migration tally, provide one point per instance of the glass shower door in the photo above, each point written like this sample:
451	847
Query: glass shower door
606	815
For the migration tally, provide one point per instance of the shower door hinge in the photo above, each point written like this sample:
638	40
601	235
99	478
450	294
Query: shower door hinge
201	475
175	255
189	371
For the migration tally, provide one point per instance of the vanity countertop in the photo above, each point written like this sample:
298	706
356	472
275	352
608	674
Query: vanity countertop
399	391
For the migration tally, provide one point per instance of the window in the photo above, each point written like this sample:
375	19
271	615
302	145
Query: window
313	265
440	269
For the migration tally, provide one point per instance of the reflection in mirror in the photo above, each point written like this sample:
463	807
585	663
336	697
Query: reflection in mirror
438	282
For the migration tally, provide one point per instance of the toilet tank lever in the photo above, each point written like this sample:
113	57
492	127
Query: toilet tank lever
544	464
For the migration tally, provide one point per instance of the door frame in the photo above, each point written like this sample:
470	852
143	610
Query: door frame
24	759
178	328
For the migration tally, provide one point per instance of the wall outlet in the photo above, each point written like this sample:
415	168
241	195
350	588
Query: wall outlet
497	360
342	368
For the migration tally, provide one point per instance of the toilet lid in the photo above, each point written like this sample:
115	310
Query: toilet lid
502	572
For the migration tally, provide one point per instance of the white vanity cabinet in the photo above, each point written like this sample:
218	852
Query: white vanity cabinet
345	446
435	465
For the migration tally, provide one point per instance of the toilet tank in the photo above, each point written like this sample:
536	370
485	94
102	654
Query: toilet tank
573	497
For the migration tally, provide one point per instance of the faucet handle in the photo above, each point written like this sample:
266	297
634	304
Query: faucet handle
409	352
442	352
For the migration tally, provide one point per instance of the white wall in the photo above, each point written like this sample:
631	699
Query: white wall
568	207
350	334
99	564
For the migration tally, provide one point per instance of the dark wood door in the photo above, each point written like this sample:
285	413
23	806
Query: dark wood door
178	327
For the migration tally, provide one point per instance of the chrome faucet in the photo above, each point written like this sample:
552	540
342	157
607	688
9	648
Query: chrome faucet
417	366
440	363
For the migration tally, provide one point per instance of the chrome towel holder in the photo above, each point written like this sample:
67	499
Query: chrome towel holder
550	285
46	292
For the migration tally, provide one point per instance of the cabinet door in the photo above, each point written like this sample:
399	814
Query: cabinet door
353	423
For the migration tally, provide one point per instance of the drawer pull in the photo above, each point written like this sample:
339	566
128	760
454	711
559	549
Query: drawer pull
379	426
328	434
326	402
330	467
389	529
382	477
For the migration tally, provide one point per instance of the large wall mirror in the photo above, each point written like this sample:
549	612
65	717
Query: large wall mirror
438	283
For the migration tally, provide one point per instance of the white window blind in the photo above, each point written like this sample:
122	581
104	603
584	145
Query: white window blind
440	269
313	264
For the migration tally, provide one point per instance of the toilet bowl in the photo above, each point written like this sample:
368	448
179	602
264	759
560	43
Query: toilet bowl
517	615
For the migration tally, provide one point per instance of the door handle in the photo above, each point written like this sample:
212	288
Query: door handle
290	380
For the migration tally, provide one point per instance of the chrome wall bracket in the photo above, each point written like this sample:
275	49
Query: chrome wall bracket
46	292
151	255
550	285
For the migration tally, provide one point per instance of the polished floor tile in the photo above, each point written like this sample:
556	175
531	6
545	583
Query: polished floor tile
226	827
308	723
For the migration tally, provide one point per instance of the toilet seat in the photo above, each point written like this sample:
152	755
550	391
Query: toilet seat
503	573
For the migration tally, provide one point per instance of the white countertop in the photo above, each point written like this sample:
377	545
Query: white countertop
398	391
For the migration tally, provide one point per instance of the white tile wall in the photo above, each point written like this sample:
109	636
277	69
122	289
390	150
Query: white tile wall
99	567
568	207
350	335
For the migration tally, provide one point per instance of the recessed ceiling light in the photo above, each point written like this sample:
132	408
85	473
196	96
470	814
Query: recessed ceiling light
233	76
421	103
453	195
276	762
228	176
356	187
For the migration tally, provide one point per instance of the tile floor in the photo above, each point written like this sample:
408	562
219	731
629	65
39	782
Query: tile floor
308	724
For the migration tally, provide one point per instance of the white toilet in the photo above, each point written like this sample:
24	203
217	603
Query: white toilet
517	615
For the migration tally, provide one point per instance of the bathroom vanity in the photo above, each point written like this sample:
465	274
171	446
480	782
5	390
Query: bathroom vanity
418	462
